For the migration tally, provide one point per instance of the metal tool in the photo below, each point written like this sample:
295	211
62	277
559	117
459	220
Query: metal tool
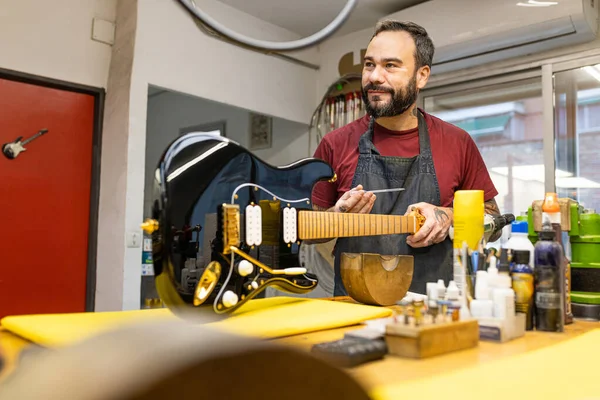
385	190
12	150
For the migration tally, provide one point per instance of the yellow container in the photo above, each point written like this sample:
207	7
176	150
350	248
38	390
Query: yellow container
469	212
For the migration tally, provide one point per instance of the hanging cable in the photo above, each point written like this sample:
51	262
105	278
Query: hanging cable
311	40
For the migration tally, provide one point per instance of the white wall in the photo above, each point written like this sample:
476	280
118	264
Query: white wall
53	39
180	57
168	112
171	52
112	275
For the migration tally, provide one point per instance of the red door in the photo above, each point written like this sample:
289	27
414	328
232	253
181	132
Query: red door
45	199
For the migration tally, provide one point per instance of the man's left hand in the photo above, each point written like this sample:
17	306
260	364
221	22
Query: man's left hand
438	221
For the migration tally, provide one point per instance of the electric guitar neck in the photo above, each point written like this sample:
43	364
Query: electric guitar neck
324	224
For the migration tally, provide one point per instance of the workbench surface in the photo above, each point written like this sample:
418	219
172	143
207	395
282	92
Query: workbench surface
389	370
394	369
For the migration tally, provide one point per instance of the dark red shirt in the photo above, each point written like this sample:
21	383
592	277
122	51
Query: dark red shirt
456	158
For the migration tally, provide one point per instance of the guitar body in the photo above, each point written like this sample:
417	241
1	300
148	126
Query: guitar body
219	218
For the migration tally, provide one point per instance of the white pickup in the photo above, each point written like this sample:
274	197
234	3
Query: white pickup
253	225
290	225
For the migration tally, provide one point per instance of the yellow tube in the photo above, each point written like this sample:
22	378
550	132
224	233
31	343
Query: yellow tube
469	212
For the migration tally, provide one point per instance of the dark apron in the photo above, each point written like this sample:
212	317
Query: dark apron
417	176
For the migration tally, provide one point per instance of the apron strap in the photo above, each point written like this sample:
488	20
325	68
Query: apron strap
424	143
365	144
426	158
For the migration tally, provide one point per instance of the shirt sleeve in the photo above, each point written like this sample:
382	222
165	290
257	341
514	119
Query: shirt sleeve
324	193
475	173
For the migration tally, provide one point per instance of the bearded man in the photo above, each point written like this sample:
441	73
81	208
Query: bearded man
397	145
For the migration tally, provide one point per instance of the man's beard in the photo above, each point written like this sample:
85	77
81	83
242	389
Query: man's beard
400	101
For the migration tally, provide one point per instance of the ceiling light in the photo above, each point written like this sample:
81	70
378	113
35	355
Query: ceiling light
594	71
535	3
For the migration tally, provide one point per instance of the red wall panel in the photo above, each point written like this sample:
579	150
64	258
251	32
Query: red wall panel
45	199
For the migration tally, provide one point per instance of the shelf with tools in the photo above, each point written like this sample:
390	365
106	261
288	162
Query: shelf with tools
341	104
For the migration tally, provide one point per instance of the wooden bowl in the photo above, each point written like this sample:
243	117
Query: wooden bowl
376	279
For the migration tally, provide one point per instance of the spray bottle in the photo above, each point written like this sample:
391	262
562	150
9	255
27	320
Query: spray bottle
551	208
549	282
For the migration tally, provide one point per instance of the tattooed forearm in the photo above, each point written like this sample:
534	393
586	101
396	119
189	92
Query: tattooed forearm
491	207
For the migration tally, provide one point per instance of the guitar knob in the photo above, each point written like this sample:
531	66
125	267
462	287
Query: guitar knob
230	299
245	268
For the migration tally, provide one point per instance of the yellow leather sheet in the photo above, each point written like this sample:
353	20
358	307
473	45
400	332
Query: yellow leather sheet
566	370
265	318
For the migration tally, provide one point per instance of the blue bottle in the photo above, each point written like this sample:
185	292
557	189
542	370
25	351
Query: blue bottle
549	286
523	285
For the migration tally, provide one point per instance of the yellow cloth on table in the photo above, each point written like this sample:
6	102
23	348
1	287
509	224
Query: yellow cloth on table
265	318
566	370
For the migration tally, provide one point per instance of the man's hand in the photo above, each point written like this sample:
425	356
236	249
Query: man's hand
355	200
435	229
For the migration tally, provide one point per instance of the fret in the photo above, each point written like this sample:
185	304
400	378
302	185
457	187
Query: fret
362	228
323	224
321	227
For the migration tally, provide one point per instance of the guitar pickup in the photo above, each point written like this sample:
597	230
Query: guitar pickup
231	227
290	225
253	225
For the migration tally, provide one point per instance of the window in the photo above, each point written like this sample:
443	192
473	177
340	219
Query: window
505	121
577	134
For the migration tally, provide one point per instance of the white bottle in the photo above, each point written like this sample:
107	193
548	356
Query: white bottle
453	293
504	297
491	279
519	241
441	289
481	286
482	306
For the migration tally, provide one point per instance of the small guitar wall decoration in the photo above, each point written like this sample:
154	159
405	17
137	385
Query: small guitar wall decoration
13	149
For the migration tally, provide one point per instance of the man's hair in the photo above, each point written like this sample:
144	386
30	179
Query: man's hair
423	43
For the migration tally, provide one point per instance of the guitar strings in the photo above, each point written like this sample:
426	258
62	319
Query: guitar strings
271	193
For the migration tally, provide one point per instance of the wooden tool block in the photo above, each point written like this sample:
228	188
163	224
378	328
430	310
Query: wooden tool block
431	340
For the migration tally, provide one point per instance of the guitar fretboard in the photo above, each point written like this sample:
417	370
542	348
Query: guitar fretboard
323	224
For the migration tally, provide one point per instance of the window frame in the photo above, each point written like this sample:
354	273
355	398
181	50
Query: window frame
544	69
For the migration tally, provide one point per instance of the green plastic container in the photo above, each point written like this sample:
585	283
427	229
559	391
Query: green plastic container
584	238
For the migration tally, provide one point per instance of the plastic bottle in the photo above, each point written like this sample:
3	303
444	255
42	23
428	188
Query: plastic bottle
441	289
453	293
504	298
469	211
523	285
519	240
482	306
549	282
551	208
504	262
492	278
